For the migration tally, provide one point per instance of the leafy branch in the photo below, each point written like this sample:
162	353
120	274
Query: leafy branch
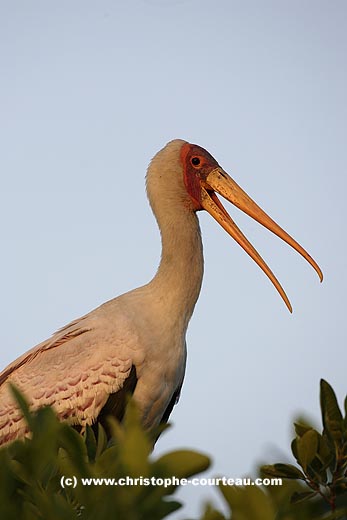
31	471
322	457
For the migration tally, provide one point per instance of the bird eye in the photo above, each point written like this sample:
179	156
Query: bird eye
195	161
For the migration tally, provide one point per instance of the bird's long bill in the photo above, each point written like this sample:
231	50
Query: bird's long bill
219	181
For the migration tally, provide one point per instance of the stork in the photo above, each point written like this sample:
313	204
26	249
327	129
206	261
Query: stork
135	343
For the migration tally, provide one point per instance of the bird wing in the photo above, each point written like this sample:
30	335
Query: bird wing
75	371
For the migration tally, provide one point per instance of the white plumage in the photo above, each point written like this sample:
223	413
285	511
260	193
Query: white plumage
136	343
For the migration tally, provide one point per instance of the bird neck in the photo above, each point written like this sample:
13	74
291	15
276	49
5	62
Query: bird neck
179	276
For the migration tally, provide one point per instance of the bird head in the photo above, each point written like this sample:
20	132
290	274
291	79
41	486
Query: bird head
199	179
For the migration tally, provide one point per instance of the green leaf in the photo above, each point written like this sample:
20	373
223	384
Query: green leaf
331	413
73	452
301	428
23	405
301	497
211	513
325	454
182	463
32	472
135	445
248	503
329	403
283	471
90	442
102	441
307	447
108	462
294	448
345	418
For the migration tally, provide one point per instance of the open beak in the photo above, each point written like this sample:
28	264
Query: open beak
219	181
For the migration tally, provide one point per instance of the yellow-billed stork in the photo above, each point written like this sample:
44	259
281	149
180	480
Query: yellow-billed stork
136	342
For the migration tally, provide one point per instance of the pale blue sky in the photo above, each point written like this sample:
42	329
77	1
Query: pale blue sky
89	92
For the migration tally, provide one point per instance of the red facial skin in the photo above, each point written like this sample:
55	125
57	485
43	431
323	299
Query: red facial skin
194	175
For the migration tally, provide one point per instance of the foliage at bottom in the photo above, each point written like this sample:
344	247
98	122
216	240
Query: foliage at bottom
42	477
32	472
